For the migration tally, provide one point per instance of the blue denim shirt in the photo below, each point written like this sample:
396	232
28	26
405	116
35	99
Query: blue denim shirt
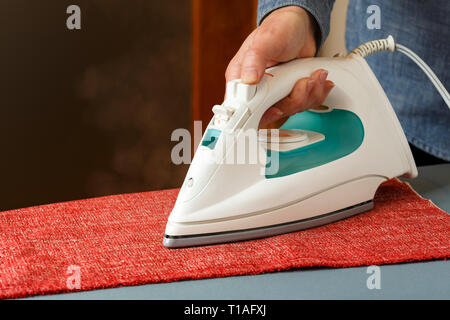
422	26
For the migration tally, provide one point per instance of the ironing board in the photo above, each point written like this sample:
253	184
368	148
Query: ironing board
423	280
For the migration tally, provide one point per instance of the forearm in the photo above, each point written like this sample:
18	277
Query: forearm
318	9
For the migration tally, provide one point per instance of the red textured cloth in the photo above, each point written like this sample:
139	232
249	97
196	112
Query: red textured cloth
117	240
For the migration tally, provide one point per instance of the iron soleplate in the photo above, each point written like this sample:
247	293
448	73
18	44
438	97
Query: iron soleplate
263	232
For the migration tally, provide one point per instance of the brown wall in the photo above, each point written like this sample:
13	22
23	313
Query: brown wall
90	112
219	29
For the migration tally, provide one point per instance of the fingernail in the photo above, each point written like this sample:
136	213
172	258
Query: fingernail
310	86
249	76
323	76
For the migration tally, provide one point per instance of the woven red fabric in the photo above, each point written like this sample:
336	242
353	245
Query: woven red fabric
117	240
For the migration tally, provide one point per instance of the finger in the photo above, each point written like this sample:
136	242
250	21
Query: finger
253	67
290	105
277	120
296	100
233	70
329	85
271	115
234	67
305	92
320	75
263	48
321	89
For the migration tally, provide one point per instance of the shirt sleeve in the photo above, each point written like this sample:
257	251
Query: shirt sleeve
319	9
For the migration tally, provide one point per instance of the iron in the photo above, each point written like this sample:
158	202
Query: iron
324	165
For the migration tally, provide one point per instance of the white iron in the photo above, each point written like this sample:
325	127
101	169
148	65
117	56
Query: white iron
330	161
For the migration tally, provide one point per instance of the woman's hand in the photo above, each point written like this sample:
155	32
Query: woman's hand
286	34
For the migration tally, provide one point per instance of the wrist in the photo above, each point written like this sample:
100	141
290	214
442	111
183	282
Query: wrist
308	23
314	34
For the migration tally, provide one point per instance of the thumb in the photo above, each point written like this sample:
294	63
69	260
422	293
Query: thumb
253	67
256	58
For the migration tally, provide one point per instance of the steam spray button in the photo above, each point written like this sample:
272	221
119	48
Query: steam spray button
240	91
245	92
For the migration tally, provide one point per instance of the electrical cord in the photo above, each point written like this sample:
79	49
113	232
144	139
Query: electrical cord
389	44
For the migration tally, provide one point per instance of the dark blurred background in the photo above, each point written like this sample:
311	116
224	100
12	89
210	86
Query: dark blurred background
89	112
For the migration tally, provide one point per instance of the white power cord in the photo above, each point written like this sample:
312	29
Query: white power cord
389	44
